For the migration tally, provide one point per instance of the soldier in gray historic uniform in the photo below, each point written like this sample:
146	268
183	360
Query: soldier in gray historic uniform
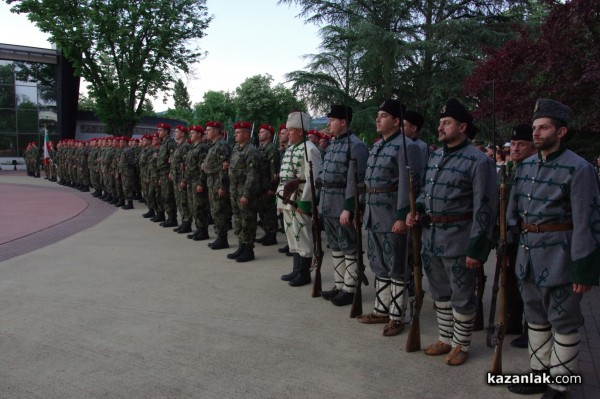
270	162
296	203
216	165
555	202
413	123
176	177
336	204
244	184
459	202
386	183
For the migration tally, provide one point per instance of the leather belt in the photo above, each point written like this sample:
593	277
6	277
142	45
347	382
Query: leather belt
377	190
299	180
428	219
333	185
543	228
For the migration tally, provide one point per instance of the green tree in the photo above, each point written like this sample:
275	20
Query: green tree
127	50
181	97
215	106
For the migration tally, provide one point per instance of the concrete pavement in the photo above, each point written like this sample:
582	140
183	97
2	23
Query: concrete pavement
118	307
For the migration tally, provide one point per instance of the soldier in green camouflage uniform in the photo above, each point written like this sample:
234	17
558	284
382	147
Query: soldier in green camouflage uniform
116	171
270	162
127	166
215	166
164	166
154	188
195	182
143	165
176	176
107	160
244	184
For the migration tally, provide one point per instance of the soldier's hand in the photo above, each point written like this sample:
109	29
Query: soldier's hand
473	263
345	218
399	227
244	201
182	185
221	192
170	177
411	221
581	288
225	165
199	189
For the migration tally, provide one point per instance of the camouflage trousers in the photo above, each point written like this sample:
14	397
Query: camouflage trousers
181	199
220	207
168	194
199	205
154	197
128	185
119	186
267	211
244	216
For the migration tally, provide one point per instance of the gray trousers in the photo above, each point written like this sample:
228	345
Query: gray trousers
386	253
450	280
340	238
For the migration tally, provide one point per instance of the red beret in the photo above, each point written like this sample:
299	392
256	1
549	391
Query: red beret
242	125
315	132
182	128
164	126
197	128
214	124
267	127
155	136
281	127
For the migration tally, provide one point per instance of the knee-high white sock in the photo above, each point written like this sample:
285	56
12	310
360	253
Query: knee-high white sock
443	310
564	358
540	346
462	330
382	296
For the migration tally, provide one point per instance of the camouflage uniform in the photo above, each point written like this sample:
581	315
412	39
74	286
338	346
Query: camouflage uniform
127	163
270	163
163	162
154	188
176	174
217	178
194	176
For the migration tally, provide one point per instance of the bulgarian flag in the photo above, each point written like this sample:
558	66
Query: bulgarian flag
46	142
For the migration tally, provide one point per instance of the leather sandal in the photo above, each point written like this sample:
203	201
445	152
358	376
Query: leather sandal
439	348
393	327
372	318
456	357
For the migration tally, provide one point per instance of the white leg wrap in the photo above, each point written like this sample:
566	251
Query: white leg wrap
350	279
462	330
443	310
540	346
564	357
338	268
397	300
382	296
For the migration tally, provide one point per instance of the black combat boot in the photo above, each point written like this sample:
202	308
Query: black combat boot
261	239
171	221
149	214
160	217
295	269
185	228
85	189
176	229
129	205
270	239
96	194
115	200
194	234
237	252
120	203
220	242
303	276
246	255
203	234
284	250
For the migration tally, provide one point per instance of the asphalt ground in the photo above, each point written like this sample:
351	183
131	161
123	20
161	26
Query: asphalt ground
97	302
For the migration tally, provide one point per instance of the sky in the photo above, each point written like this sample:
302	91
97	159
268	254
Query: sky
245	38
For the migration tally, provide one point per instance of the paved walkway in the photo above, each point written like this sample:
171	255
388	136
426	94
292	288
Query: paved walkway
118	307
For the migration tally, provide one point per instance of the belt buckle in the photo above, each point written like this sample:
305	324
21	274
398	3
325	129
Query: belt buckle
537	228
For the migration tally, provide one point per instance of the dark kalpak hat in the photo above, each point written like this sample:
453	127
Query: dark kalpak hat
522	132
454	109
415	118
546	108
392	107
341	112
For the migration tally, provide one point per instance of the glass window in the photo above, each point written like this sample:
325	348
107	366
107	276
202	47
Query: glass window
26	96
8	121
25	139
8	145
26	73
46	95
27	121
48	117
6	73
7	96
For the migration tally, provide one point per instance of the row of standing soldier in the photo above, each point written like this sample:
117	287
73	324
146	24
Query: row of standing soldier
456	209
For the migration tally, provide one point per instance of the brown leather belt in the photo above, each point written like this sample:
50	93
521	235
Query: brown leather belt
428	220
543	228
333	185
377	190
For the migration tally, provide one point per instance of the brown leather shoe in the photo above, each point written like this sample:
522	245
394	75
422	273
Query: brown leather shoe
456	357
372	318
439	348
393	327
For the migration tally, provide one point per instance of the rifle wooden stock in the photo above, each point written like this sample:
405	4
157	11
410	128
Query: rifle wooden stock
356	309
413	340
479	288
500	325
316	229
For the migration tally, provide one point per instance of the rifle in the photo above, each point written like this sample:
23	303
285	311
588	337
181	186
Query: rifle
356	309
498	330
413	341
479	288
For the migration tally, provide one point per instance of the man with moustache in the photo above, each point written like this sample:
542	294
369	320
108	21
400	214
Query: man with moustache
555	201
